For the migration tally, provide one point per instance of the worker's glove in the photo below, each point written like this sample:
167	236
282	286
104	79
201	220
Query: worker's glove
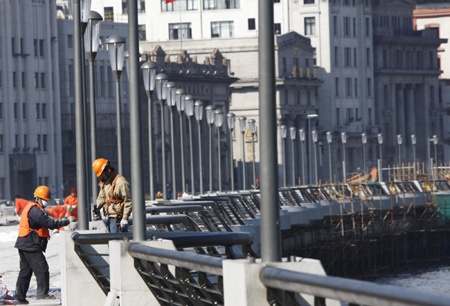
71	219
65	221
70	208
123	223
96	212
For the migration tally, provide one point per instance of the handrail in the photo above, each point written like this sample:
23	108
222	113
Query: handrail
163	219
185	260
347	290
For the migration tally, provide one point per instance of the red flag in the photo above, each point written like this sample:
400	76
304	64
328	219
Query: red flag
170	1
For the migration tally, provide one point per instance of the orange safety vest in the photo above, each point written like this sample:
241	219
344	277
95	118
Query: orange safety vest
24	225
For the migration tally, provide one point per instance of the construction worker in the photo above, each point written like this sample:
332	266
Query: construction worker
32	242
71	204
159	196
114	196
20	204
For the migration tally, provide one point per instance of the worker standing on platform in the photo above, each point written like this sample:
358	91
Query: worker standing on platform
71	204
20	204
32	242
114	196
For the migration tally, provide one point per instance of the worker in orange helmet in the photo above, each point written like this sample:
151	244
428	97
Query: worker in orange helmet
20	204
32	242
114	196
71	204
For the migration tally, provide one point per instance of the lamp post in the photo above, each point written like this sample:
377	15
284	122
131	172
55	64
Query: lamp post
91	41
283	131
161	91
180	101
399	143
189	111
435	142
242	128
293	133
199	116
148	75
314	139
230	124
302	142
171	102
116	46
380	145
310	117
413	142
329	140
218	121
364	141
252	129
344	170
210	120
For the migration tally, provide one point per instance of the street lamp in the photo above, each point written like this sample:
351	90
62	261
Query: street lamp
380	145
283	131
293	133
218	121
302	142
329	140
230	124
344	170
210	120
91	41
399	143
314	139
435	142
199	116
148	75
116	47
413	142
189	111
161	92
309	117
180	101
242	128
364	141
252	128
171	102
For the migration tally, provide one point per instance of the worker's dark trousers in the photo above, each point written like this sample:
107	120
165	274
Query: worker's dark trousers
32	262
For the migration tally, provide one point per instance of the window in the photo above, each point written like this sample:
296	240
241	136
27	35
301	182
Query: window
44	111
335	25
14	79
70	41
124	6
24	111
308	1
367	26
355	58
1	110
1	143
336	81
369	87
338	116
384	59
141	6
336	56
35	45
354	27
23	79
15	111
42	79
71	88
431	59
25	141
180	31
222	29
39	142
13	46
348	57
348	87
41	47
38	111
109	13
220	4
368	56
251	24
370	116
356	87
346	26
276	1
142	32
419	60
22	47
44	143
310	25
16	141
399	58
183	5
277	28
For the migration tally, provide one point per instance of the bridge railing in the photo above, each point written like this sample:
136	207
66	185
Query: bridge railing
283	284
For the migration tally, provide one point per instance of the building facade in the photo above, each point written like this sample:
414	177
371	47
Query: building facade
29	99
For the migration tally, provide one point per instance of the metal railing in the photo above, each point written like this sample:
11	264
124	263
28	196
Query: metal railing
283	285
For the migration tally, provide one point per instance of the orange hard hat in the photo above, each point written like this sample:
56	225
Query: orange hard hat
43	192
99	165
